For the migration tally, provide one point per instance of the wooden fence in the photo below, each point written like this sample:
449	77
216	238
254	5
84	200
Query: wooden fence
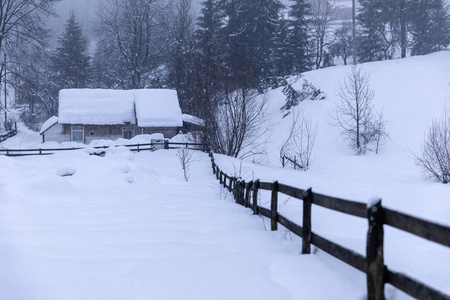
246	194
5	136
285	160
133	147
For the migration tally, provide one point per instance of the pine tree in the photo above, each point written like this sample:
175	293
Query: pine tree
429	26
71	61
180	48
370	46
250	32
440	27
284	52
421	25
209	37
299	40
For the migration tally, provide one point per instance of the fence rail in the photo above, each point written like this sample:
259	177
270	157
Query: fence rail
5	136
132	147
246	193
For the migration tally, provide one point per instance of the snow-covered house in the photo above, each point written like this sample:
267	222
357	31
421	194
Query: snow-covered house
91	114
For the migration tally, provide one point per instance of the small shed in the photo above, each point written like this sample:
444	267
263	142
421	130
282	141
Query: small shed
90	114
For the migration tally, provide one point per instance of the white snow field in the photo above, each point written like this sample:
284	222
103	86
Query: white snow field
127	226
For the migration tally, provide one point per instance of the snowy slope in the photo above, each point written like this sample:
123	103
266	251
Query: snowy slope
411	92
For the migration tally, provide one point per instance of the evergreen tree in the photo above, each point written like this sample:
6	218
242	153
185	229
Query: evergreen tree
370	46
440	27
209	37
299	40
71	61
421	26
284	52
250	32
180	48
429	26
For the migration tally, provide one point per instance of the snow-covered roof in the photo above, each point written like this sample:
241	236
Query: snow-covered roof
193	120
158	108
145	107
49	123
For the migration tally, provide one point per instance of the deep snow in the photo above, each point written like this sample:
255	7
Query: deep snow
127	226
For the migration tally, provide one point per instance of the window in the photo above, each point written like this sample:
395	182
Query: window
77	133
127	133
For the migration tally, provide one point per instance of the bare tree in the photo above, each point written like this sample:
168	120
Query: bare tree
354	113
133	25
23	22
434	161
185	157
235	128
321	21
22	27
300	140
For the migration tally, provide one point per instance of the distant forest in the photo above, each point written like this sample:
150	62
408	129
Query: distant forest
233	45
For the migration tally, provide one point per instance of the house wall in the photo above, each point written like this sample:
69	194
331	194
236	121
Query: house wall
55	134
168	132
61	132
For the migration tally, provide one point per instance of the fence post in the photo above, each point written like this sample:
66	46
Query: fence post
166	144
306	239
374	251
213	165
295	162
217	172
40	151
138	147
220	177
255	196
224	180
283	160
247	193
242	192
274	207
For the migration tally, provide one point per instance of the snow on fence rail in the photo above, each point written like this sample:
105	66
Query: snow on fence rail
133	147
378	274
11	133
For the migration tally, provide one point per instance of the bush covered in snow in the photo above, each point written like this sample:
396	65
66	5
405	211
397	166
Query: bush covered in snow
293	96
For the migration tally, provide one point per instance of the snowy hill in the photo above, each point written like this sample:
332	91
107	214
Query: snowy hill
410	92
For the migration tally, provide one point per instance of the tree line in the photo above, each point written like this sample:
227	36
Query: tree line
232	51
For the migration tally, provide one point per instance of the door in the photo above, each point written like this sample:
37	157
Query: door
77	133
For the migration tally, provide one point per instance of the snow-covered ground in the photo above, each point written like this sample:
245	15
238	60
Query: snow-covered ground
127	226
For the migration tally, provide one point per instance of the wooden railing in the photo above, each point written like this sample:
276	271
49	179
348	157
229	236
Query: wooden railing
5	136
246	194
133	147
285	160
